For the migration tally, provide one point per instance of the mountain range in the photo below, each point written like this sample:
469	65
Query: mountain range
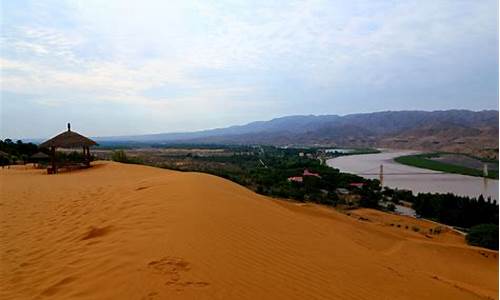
448	130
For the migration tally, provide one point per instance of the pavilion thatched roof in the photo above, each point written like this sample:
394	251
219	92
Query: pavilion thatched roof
3	154
68	139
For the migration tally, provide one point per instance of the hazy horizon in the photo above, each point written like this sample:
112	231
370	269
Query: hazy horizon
230	125
130	68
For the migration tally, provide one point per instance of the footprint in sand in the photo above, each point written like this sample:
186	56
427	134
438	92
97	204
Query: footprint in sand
172	267
95	232
142	188
150	296
54	289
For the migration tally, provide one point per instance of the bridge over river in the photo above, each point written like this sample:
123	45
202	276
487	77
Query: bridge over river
400	176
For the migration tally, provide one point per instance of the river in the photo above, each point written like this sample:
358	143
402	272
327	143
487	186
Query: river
396	175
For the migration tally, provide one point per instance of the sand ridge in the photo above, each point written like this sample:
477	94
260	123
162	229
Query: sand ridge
119	231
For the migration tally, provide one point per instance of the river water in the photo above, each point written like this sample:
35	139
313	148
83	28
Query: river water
396	175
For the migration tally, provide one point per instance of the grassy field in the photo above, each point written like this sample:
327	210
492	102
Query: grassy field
424	161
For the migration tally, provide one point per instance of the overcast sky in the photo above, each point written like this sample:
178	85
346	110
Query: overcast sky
132	67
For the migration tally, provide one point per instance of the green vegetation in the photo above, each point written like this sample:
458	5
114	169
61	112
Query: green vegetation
121	156
456	210
397	195
484	159
484	235
266	170
22	152
16	151
464	213
425	161
355	151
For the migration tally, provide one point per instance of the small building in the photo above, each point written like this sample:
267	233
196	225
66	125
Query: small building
68	139
342	191
295	179
347	196
357	184
39	159
40	156
307	173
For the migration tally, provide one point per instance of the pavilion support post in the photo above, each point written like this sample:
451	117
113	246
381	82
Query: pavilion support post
86	153
53	156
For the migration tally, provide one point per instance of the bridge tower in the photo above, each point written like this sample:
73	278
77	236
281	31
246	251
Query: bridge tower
485	170
381	175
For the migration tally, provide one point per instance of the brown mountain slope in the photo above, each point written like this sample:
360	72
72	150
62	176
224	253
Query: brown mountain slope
134	232
482	141
474	132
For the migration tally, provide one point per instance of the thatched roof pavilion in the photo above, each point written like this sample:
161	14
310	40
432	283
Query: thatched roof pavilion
68	139
3	154
38	159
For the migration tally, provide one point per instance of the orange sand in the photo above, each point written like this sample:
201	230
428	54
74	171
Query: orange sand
133	232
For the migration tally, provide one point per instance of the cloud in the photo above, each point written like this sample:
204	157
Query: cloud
189	61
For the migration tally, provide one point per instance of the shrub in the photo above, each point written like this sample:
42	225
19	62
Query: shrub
484	235
119	156
437	230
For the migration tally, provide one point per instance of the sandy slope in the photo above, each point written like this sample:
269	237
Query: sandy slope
133	232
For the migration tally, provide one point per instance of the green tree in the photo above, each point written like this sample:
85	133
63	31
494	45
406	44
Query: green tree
119	156
484	235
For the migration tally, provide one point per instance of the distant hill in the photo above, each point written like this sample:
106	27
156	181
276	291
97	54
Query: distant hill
450	130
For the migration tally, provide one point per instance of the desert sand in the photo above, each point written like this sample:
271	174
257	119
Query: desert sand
119	231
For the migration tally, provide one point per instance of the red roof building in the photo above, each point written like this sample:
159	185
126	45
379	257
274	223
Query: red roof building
296	179
307	173
357	184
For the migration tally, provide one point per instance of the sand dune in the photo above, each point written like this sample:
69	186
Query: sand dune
133	232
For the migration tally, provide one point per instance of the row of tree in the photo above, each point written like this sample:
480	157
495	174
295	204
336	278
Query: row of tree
476	215
456	210
16	151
